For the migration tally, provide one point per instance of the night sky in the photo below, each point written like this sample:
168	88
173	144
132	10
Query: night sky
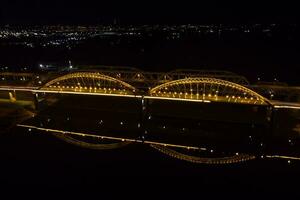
145	12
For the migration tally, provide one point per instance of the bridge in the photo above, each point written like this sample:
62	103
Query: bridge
179	86
202	89
144	81
147	80
129	75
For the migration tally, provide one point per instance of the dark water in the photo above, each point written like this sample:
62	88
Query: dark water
45	160
41	159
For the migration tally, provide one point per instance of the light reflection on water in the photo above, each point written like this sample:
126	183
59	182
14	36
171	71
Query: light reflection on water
195	131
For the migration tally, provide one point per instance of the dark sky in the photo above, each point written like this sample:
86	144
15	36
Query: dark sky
146	11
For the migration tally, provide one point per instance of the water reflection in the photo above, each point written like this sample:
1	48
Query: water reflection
201	133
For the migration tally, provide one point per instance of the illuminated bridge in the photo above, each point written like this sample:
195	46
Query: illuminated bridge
142	79
133	76
217	101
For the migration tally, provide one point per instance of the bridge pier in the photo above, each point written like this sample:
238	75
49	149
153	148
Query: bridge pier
144	115
12	96
35	101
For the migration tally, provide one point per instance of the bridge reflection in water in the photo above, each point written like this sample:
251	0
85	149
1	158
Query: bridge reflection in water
198	119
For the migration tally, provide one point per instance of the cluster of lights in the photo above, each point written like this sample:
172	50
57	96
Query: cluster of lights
89	89
185	89
10	76
95	79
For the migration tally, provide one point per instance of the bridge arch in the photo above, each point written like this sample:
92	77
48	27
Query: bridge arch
208	89
219	74
89	82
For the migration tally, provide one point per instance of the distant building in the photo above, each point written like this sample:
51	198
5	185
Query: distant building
48	67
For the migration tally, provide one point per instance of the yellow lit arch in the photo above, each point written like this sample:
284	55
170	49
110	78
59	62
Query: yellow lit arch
89	82
208	89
